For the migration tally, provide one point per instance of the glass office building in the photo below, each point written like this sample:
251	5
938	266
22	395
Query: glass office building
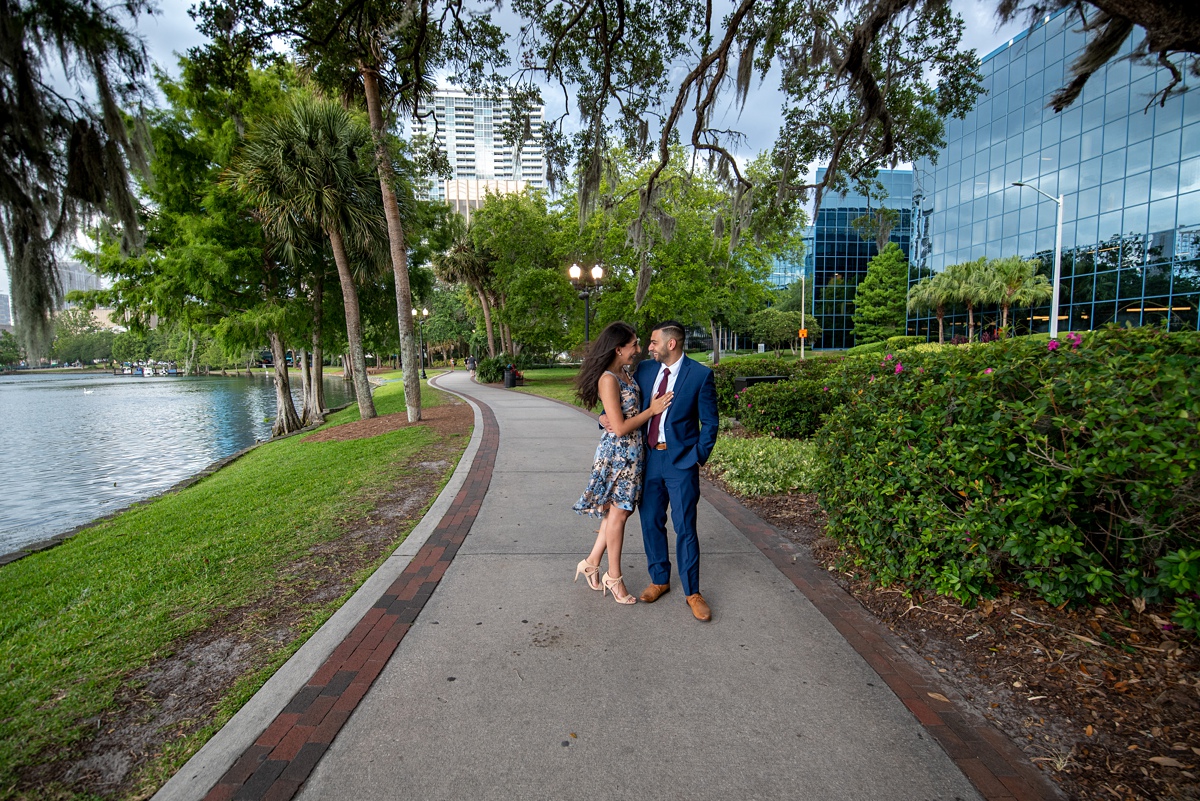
838	254
1128	170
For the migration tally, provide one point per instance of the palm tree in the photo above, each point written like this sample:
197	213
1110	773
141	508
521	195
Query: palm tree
313	166
1016	282
966	283
464	263
932	294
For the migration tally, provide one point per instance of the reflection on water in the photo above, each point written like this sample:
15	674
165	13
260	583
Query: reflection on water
76	447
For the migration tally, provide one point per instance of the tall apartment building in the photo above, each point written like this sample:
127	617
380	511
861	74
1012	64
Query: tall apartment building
6	321
468	131
1128	170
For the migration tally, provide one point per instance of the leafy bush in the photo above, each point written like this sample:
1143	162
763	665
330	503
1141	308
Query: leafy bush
491	370
924	347
764	465
788	409
870	347
729	369
903	342
1068	469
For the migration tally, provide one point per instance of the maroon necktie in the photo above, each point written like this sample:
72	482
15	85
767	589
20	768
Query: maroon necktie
662	390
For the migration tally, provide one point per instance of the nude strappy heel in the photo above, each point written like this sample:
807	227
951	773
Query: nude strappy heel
610	583
591	574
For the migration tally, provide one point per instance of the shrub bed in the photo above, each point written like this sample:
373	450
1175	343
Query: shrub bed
491	370
789	409
763	465
1067	467
729	369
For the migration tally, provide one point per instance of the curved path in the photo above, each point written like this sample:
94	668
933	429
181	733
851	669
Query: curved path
471	666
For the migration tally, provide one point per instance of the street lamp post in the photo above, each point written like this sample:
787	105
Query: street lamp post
420	320
1057	257
586	287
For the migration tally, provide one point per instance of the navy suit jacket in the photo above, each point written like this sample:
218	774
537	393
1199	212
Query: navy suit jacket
692	418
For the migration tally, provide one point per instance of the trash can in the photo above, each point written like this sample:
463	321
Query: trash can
510	378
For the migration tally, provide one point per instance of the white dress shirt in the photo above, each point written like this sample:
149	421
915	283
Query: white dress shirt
662	423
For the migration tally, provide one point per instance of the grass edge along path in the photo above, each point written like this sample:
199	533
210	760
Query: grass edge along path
77	620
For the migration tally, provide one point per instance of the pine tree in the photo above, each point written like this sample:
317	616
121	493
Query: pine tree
880	300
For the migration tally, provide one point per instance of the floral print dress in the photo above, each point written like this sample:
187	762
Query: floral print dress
617	469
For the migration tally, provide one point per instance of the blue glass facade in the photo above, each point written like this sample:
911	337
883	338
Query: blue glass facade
1128	170
839	253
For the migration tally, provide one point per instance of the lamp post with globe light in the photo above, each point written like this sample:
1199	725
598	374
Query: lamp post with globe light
586	286
420	321
1057	257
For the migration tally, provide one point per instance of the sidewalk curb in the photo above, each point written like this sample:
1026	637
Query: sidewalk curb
206	767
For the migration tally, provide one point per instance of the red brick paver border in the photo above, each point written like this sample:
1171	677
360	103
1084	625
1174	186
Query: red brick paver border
985	755
283	756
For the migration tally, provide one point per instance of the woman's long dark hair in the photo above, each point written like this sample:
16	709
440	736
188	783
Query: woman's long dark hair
599	357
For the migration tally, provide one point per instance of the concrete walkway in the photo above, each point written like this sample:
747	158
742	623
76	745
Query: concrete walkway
498	677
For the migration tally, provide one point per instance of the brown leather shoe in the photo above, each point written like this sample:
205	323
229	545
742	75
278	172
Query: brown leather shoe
699	607
655	591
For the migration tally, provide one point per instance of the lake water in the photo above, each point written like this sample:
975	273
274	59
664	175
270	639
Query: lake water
77	447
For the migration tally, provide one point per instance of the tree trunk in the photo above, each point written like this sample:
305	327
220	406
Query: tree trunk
1004	319
316	384
305	387
487	323
716	338
362	388
970	323
286	420
391	210
941	318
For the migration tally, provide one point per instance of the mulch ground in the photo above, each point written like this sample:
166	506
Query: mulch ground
445	419
1106	700
160	706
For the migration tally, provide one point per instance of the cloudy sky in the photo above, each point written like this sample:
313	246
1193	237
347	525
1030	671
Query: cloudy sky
171	32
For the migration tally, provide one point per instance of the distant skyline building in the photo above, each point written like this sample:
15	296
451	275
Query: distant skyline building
75	276
469	131
6	321
838	254
1128	170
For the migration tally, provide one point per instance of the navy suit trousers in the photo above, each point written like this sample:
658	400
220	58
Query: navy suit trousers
668	484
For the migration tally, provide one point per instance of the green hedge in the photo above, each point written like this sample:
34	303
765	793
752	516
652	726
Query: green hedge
870	347
789	409
729	369
1070	470
900	343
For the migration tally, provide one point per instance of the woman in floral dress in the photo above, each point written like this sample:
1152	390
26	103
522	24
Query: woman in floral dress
615	487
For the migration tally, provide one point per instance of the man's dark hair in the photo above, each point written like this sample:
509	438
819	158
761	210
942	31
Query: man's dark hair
672	329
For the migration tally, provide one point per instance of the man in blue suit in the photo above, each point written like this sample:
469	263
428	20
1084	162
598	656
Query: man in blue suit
678	442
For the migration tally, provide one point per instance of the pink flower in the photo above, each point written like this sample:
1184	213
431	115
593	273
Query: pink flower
825	388
888	358
899	368
872	379
1052	345
988	371
1074	339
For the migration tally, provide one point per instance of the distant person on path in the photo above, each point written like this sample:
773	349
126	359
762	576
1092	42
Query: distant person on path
613	491
677	444
471	361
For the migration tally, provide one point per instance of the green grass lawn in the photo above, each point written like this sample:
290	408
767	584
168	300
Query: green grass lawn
551	382
77	619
